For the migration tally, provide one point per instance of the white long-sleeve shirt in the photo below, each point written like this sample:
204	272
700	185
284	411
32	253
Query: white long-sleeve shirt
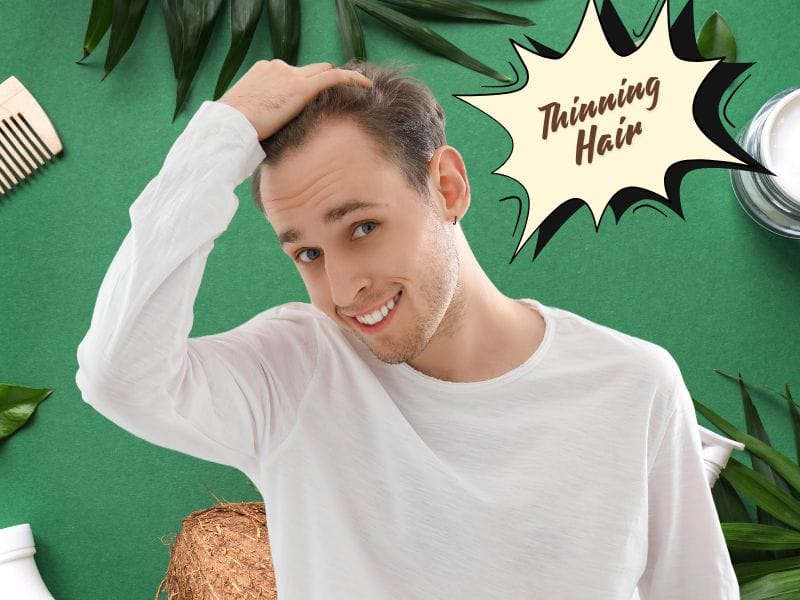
576	475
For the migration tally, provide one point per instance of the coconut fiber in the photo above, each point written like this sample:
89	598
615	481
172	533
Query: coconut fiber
221	553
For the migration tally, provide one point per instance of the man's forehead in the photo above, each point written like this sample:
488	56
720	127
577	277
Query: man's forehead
338	153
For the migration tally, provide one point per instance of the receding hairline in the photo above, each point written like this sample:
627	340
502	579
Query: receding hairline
399	113
326	120
386	153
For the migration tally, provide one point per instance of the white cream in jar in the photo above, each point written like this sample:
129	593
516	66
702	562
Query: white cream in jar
773	139
781	144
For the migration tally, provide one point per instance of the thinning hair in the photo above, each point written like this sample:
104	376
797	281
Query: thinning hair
399	112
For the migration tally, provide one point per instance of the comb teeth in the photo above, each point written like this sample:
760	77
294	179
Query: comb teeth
27	137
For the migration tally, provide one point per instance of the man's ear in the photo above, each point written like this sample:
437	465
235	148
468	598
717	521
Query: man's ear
447	178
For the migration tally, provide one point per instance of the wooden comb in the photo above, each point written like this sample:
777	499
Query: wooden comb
27	137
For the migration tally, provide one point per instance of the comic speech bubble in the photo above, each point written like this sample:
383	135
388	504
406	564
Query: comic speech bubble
609	122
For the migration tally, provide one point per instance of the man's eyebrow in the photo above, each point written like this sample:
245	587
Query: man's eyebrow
337	213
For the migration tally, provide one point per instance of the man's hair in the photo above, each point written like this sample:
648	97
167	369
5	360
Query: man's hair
399	113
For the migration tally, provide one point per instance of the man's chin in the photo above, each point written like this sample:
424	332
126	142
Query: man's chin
384	352
390	356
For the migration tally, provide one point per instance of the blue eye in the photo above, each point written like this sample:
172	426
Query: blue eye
300	254
367	223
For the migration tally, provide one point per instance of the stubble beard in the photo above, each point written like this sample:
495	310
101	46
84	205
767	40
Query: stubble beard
439	301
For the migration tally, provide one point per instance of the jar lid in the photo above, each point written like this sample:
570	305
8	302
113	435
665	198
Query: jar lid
16	538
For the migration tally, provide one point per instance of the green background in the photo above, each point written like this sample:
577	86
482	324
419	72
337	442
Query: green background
713	288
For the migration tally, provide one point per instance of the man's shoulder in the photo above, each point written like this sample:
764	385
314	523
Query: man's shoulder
605	345
297	318
302	313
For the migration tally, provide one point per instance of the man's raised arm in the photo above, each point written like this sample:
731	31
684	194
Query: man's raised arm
219	397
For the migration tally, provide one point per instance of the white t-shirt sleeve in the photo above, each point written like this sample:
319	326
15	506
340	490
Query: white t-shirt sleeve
687	556
216	397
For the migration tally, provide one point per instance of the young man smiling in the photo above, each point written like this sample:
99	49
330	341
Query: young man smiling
365	240
415	432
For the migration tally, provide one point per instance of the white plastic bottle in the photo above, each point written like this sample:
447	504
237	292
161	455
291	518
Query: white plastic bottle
19	576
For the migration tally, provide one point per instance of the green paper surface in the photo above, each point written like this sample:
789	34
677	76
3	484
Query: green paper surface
714	288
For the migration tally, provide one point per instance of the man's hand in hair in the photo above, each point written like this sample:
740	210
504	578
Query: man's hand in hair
271	93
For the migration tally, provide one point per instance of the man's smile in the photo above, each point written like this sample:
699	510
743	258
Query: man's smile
377	318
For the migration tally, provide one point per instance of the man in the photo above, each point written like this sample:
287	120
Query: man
415	433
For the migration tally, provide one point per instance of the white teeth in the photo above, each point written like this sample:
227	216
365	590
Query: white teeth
378	315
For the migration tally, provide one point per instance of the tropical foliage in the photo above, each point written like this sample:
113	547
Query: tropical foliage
765	551
189	25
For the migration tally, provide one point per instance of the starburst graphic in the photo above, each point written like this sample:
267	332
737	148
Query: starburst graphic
608	123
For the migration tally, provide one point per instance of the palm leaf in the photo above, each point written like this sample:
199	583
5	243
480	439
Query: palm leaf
456	9
125	21
779	462
350	30
756	428
728	503
189	26
17	404
99	22
731	509
425	37
763	492
750	571
754	536
795	421
775	586
244	18
753	386
284	27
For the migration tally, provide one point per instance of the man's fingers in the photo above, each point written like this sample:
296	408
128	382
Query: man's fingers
333	77
315	68
326	74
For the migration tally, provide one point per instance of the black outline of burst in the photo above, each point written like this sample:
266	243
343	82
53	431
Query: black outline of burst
705	109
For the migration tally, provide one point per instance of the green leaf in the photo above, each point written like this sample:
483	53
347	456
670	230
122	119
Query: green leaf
760	537
749	571
728	503
775	586
425	37
795	421
752	386
125	21
731	509
189	26
284	27
99	22
456	9
763	492
17	404
350	30
779	462
716	40
756	428
244	18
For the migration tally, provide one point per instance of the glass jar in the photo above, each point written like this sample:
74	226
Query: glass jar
772	138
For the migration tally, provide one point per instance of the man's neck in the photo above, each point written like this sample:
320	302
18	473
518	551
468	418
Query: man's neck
485	333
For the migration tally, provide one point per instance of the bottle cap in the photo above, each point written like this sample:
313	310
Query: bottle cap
16	539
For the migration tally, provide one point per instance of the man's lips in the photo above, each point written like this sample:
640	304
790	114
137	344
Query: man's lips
374	308
383	323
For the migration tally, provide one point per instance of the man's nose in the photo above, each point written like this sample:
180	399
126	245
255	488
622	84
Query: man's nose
347	277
